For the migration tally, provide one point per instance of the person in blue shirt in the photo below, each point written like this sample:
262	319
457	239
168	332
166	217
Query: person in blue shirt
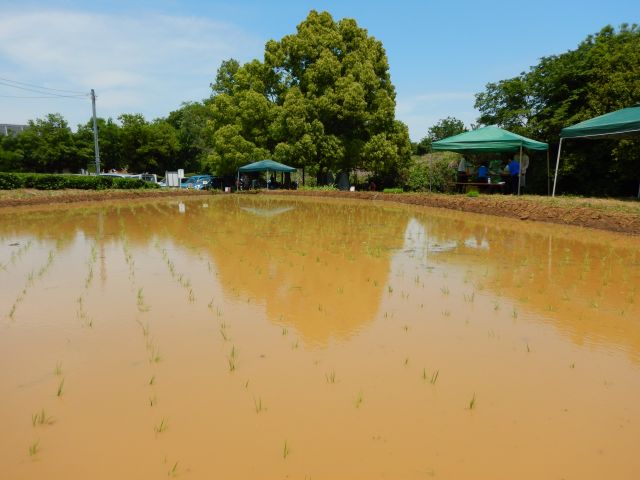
483	173
514	171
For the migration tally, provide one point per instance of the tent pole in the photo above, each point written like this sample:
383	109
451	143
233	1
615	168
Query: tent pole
548	175
555	178
520	170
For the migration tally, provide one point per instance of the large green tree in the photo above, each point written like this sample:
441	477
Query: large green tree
322	98
601	75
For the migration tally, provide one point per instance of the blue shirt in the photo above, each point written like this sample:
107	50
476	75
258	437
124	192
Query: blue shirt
483	172
514	168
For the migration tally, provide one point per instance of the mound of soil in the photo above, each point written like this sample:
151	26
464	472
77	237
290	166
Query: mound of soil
524	208
15	198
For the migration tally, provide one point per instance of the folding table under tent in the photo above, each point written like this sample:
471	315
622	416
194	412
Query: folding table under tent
619	124
491	139
265	166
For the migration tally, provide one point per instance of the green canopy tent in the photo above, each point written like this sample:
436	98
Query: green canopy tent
618	124
489	139
265	166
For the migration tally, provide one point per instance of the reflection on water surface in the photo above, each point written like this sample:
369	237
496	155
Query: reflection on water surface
242	337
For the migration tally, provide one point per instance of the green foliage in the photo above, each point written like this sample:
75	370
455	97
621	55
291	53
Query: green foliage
392	190
473	194
10	181
598	77
447	127
322	98
323	188
432	173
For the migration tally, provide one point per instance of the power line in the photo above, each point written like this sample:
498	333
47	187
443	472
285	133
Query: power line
41	91
77	97
41	88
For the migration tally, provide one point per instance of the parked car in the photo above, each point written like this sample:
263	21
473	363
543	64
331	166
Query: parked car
199	180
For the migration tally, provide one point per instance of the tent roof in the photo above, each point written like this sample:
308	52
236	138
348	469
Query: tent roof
264	165
618	123
487	139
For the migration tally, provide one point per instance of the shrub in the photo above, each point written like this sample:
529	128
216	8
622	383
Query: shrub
10	181
392	190
324	188
432	174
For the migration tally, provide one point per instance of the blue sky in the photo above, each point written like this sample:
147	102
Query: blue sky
147	57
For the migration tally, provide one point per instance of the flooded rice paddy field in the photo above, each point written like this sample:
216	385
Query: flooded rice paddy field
238	337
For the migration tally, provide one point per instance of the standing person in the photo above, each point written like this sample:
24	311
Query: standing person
462	174
514	172
483	173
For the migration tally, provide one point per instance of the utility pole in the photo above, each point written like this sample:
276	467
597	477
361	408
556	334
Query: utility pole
95	131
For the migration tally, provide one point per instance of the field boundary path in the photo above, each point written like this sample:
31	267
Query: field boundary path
24	197
602	214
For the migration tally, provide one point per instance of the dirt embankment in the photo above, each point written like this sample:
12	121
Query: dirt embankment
15	198
611	215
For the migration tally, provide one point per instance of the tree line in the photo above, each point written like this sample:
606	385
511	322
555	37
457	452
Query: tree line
322	99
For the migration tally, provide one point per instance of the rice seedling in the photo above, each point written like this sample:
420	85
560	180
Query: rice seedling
359	399
434	377
58	370
232	364
424	374
405	328
445	290
152	380
284	331
233	352
295	345
224	335
514	313
470	298
257	402
142	307
528	349
60	388
285	450
572	365
446	313
496	306
246	384
406	361
34	448
41	418
330	377
472	402
161	427
390	289
154	355
173	471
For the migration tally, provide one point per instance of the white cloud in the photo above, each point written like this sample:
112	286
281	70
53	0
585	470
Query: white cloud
424	110
148	63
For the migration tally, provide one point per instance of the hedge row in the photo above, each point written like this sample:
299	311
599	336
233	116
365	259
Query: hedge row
40	181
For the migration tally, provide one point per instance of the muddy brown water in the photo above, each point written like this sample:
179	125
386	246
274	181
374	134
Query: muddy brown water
237	337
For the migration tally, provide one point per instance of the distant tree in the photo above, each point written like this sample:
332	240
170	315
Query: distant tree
47	146
109	143
190	123
446	127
